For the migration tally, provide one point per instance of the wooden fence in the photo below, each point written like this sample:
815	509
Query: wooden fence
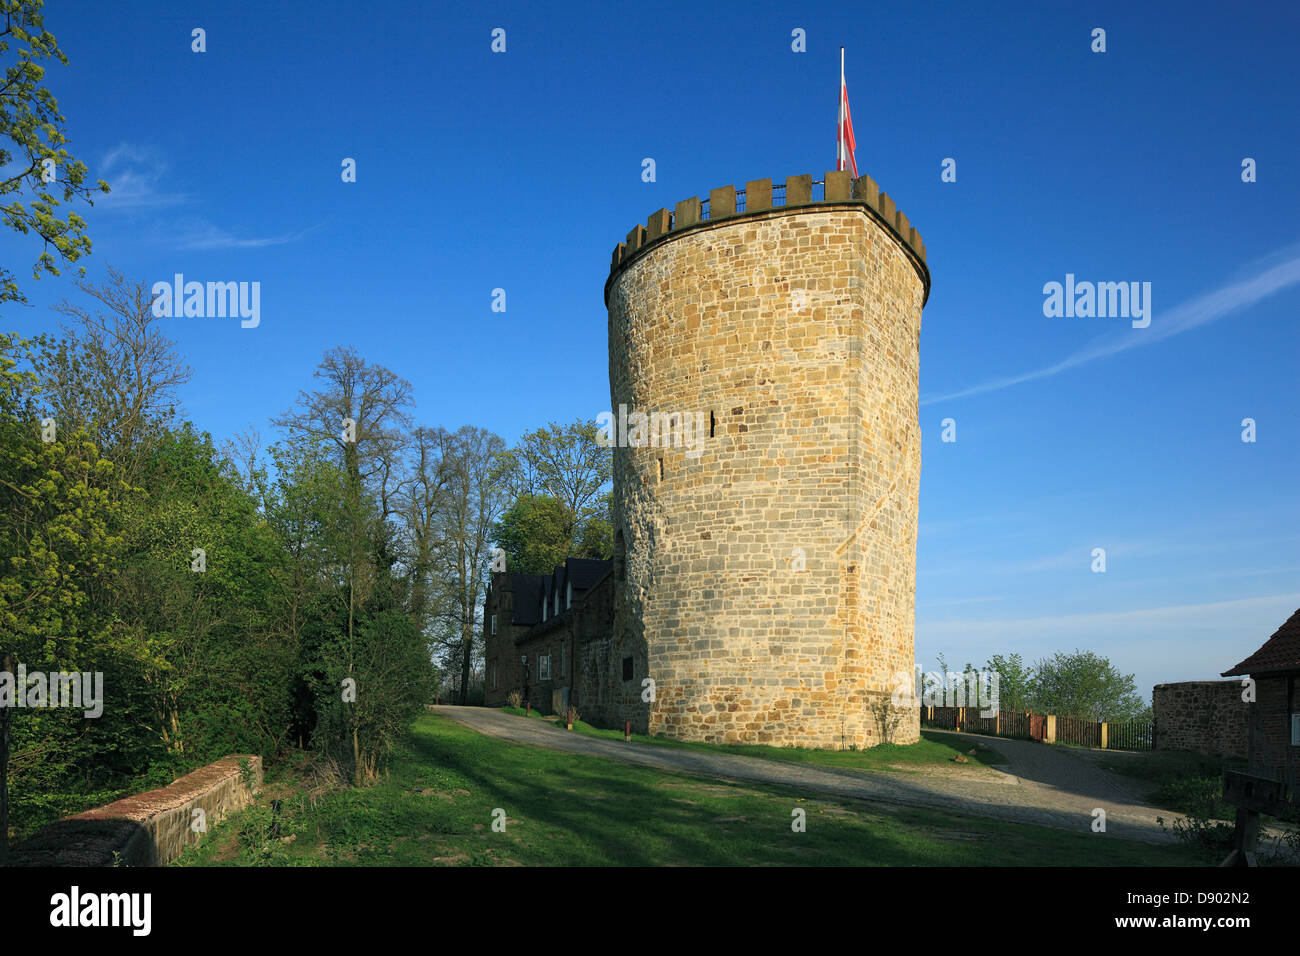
1106	735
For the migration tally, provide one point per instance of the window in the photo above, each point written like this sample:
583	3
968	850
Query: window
545	605
494	675
544	666
557	601
1295	730
564	660
627	668
568	596
494	625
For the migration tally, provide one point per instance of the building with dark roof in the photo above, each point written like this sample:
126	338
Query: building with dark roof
546	636
1274	736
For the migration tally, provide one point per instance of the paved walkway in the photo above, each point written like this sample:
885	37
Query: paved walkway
1040	784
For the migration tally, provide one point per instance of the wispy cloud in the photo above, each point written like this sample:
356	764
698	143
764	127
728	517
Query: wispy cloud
1230	618
206	236
1121	554
135	175
1181	318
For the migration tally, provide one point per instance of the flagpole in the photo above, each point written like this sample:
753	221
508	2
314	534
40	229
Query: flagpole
839	126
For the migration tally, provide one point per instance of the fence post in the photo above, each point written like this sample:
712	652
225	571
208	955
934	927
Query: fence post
1104	728
1049	734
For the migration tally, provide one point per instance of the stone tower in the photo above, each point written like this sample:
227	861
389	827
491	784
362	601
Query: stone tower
766	576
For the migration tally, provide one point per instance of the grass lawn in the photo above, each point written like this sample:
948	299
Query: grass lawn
932	749
436	806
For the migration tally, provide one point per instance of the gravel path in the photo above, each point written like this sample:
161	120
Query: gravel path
1040	784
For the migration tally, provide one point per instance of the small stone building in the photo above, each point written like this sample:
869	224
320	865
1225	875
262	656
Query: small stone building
1274	749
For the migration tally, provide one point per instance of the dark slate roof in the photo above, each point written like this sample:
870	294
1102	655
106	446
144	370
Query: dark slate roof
1281	652
584	572
528	588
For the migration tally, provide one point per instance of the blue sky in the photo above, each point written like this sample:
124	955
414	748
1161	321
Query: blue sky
521	171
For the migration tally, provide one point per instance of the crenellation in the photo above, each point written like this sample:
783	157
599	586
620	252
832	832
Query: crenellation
758	195
798	190
885	207
722	202
686	213
866	190
658	224
840	187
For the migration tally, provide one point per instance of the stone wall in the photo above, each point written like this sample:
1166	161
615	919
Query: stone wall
149	829
1207	717
767	576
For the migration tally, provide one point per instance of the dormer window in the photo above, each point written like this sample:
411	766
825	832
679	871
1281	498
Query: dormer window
557	601
568	596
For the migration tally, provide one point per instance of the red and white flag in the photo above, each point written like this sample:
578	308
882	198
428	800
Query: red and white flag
845	144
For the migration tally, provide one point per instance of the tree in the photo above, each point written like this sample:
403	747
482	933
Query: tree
568	464
115	373
533	533
60	512
1084	684
1016	682
35	158
361	412
597	539
475	466
424	499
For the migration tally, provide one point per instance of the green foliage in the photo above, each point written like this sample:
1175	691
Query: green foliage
226	608
1085	684
533	534
31	132
1079	684
568	464
1016	681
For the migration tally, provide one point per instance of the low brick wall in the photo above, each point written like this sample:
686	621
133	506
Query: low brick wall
1206	717
148	829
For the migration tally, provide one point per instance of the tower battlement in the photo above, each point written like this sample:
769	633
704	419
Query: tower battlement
760	196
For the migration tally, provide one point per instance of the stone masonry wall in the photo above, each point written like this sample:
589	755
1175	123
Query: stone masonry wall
770	580
1207	717
148	829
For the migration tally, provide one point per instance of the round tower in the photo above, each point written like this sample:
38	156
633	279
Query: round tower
765	499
